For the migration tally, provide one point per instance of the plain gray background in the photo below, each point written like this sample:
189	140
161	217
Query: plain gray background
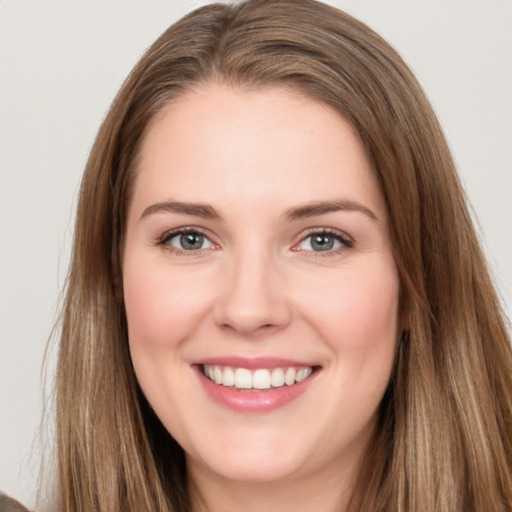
62	62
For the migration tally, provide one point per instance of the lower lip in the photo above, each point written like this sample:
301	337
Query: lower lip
257	401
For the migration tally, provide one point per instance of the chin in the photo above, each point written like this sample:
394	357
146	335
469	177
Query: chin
255	470
253	460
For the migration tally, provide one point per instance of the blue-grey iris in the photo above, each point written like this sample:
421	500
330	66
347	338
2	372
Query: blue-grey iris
322	242
191	241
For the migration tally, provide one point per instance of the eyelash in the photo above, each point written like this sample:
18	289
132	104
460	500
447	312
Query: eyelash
164	239
345	241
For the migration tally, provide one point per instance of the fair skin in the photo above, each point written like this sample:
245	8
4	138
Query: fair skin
257	244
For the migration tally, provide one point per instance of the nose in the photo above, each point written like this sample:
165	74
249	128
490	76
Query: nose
253	298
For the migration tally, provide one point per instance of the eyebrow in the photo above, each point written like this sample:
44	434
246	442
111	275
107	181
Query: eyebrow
297	212
197	209
322	207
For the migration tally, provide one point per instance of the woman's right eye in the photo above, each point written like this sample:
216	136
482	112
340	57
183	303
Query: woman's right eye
187	241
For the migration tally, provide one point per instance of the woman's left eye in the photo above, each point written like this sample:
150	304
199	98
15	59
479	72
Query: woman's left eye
324	242
187	241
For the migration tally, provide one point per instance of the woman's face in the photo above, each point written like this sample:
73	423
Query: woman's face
257	252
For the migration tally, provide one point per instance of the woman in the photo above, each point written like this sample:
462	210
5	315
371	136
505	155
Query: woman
276	296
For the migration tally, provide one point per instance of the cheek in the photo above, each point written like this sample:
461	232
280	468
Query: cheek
363	335
357	310
370	311
163	310
358	319
161	306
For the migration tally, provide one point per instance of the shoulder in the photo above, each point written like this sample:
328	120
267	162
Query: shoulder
9	505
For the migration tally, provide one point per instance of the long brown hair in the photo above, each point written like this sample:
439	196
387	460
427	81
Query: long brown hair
444	438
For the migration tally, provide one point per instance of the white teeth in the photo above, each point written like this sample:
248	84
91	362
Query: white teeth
261	379
277	379
217	375
289	376
302	374
243	378
228	377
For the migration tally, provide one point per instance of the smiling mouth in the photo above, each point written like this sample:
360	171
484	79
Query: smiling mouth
244	379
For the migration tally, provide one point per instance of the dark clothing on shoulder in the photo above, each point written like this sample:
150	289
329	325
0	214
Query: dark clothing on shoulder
9	505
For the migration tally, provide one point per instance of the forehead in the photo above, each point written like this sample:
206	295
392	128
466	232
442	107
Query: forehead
241	143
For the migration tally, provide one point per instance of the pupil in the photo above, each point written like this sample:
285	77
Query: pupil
322	242
191	241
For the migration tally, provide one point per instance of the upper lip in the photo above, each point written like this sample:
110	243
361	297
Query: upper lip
253	363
